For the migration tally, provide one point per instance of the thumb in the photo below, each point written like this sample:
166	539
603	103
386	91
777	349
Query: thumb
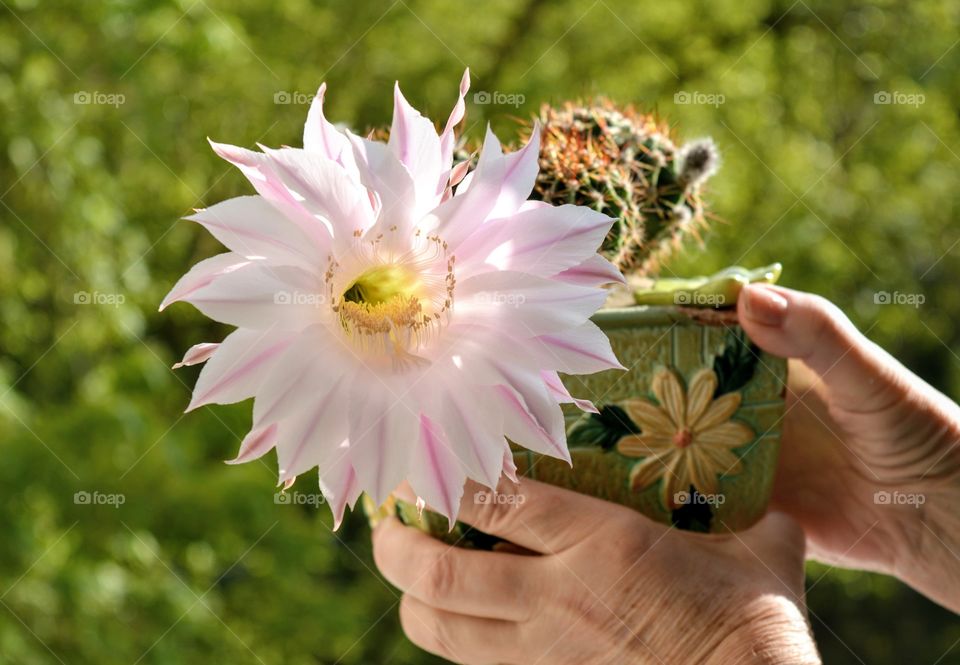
793	324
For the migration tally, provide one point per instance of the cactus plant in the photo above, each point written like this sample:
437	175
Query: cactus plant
628	165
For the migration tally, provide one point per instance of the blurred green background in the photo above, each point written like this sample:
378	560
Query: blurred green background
106	106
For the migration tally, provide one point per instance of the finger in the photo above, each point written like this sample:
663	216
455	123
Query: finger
462	639
792	324
540	517
779	543
472	582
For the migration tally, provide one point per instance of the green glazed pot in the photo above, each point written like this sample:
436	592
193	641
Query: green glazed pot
712	473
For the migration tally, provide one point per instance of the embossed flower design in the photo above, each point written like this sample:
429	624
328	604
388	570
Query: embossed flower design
686	439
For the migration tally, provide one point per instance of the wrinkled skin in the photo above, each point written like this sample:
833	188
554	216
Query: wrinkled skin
858	423
592	582
604	585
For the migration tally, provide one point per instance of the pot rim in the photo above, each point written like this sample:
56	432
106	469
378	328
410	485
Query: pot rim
648	315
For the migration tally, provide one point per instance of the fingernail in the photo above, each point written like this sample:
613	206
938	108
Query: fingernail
765	305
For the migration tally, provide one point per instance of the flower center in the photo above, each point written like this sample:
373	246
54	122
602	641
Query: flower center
683	438
395	304
382	299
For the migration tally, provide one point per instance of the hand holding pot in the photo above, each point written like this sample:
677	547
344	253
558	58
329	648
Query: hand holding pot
598	583
870	462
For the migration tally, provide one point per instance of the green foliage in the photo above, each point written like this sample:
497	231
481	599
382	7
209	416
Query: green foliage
854	197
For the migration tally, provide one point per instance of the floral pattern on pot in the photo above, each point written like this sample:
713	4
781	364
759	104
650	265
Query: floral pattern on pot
687	439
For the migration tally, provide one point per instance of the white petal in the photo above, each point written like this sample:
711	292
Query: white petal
253	228
257	443
542	241
581	350
459	217
520	174
525	305
255	167
531	414
382	431
202	274
315	360
310	437
196	354
261	297
237	368
474	428
447	137
340	486
562	395
595	271
322	137
435	472
414	142
324	188
382	173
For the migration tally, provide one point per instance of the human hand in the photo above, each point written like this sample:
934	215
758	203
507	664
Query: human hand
870	463
602	584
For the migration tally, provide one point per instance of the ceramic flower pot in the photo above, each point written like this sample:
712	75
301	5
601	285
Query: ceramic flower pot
688	435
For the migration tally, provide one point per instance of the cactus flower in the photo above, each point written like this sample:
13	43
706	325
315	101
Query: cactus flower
392	324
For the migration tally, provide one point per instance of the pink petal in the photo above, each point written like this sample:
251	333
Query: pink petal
542	241
314	360
447	137
257	443
253	228
340	486
255	167
456	219
532	416
525	305
520	174
474	429
382	428
202	274
261	296
562	395
435	472
238	367
384	174
581	350
509	466
310	438
196	354
323	188
322	137
414	141
595	271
